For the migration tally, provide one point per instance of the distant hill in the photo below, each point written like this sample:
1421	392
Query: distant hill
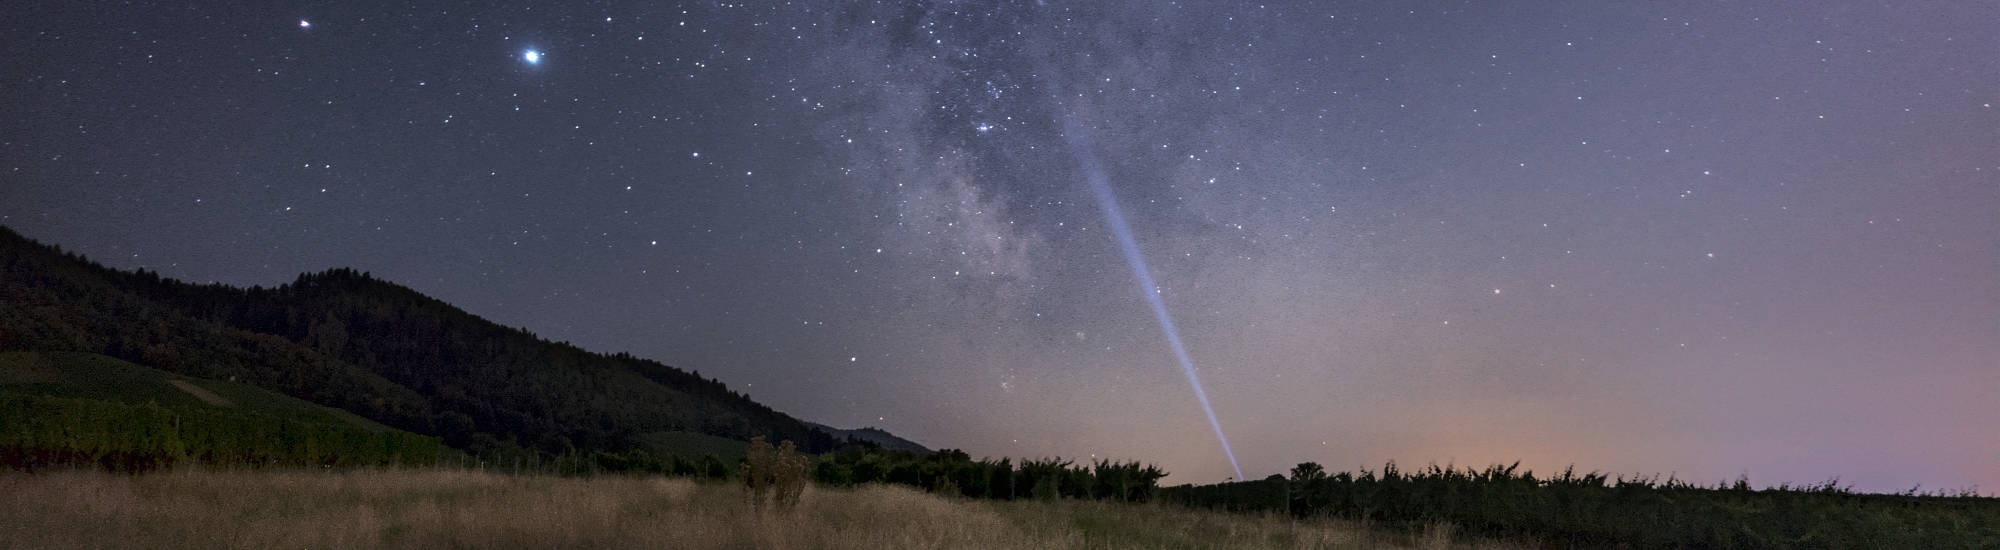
873	435
383	352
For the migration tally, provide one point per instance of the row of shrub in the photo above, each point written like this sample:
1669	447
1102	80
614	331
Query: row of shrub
1595	510
955	473
43	432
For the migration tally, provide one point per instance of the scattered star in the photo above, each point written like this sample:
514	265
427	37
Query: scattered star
768	159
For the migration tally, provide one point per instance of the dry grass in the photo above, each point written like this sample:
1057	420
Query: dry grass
1097	524
445	509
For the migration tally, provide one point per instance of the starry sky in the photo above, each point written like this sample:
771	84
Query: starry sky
1705	239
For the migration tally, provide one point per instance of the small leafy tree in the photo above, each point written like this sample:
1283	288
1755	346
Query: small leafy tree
776	475
788	475
1308	481
1307	472
756	469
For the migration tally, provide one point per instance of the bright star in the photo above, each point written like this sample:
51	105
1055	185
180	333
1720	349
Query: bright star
983	127
304	24
532	57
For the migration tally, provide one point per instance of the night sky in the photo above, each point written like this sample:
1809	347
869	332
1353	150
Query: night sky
1701	239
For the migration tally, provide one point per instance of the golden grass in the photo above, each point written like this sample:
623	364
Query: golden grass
1097	524
463	509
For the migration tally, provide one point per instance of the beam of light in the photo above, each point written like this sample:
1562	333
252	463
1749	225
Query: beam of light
1086	159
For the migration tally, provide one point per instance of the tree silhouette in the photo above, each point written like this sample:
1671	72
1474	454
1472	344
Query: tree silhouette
1307	472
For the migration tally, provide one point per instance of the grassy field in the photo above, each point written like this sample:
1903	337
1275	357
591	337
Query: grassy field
437	508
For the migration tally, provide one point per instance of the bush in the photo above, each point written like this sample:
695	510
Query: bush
1595	510
777	475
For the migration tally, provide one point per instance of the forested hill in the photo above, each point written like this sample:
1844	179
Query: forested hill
873	435
344	339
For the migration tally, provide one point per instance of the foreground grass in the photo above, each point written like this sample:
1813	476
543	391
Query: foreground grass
466	509
1101	524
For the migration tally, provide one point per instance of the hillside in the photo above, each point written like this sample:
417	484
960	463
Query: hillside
873	435
92	376
382	351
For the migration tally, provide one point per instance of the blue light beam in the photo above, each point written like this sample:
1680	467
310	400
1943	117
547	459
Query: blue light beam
1086	159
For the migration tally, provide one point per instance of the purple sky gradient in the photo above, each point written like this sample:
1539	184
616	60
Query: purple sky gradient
1706	240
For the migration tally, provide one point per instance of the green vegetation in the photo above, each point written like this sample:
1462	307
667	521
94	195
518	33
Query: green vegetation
40	432
953	472
113	389
678	443
92	376
71	408
1594	510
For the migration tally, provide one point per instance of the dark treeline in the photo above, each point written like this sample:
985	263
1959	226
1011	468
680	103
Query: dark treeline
41	432
1594	510
952	472
387	353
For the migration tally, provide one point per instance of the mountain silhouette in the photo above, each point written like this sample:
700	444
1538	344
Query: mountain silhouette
347	340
